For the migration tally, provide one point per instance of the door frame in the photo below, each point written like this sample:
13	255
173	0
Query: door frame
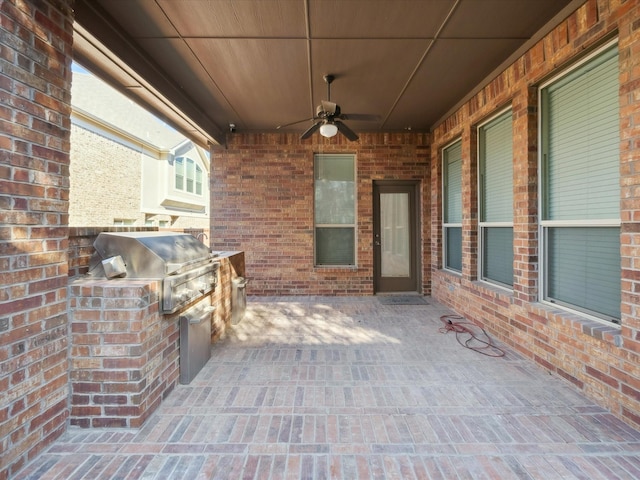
381	286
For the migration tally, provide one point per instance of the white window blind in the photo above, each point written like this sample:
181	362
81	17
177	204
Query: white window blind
581	188
335	211
179	173
495	146
188	175
583	137
452	214
198	180
453	183
584	269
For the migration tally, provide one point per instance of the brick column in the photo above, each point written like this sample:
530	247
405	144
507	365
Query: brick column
629	42
470	203
436	211
525	195
35	80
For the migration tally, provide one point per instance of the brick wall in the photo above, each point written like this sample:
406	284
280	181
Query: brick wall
262	204
106	180
124	353
231	267
35	76
600	359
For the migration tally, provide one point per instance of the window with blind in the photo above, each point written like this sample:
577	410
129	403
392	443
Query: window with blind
188	175
580	197
178	165
452	206
335	210
495	158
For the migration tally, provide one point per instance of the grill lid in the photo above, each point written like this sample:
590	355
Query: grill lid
152	254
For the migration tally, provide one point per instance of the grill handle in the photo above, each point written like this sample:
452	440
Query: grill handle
178	268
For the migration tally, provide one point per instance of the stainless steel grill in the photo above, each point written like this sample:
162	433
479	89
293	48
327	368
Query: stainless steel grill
184	264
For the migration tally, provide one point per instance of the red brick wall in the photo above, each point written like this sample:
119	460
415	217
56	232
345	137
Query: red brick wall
34	185
601	359
231	267
124	353
262	203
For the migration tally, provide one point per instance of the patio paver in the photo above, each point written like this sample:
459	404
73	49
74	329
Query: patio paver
343	387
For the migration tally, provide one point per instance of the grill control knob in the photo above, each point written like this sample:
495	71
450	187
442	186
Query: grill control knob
185	295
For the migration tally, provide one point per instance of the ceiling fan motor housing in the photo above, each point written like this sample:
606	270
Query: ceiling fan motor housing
322	113
328	114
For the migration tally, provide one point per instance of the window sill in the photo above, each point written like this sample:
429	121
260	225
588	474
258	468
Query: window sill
453	273
197	205
606	332
336	268
493	288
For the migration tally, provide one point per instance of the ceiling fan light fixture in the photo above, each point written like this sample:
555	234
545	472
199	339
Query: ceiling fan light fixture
328	130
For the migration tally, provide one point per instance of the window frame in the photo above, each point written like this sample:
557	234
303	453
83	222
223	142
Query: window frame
123	222
352	226
179	167
447	226
545	225
197	173
482	224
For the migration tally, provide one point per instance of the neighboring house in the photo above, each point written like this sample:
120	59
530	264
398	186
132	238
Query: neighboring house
128	167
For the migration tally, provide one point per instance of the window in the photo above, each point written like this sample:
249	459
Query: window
179	169
580	188
188	175
335	209
123	221
198	180
495	155
452	204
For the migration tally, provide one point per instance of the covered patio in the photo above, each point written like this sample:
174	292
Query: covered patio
348	387
351	387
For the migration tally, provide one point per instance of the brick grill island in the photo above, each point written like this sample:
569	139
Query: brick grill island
124	353
125	349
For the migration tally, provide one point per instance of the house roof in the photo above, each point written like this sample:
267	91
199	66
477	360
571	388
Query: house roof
95	98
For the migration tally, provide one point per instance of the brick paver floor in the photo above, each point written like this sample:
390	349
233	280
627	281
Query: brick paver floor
315	387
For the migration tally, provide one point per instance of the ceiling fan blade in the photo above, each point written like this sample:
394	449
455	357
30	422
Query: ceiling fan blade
310	131
366	117
294	123
329	107
346	131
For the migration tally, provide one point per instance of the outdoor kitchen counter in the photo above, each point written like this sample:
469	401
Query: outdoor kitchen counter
231	266
226	253
125	351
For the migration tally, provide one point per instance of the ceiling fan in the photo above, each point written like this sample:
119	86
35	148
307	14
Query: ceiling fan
328	118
